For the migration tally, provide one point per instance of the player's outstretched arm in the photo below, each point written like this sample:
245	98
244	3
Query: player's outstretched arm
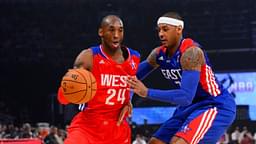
191	61
147	66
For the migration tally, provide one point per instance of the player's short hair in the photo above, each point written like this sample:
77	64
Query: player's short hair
104	19
173	15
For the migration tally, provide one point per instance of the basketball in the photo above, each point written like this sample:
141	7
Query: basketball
79	86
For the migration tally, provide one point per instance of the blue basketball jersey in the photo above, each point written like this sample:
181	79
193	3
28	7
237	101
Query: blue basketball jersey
209	90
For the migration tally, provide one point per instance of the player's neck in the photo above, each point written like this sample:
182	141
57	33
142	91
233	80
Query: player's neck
114	54
111	51
172	49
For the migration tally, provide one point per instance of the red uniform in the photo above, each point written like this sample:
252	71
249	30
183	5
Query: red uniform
97	124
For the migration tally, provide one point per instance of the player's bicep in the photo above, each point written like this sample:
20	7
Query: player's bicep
152	58
84	60
192	59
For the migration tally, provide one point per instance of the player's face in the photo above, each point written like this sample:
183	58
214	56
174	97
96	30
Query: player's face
169	35
112	34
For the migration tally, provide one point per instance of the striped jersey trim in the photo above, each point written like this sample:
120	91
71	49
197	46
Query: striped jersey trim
208	81
205	124
81	107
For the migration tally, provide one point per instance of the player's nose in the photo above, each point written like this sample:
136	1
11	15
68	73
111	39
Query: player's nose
160	34
116	34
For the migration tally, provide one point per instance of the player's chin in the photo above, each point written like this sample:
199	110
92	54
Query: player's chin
115	45
165	44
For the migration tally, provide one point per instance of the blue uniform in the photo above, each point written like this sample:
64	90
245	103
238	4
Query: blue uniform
212	110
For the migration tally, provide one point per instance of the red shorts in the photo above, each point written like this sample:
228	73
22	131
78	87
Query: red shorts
84	130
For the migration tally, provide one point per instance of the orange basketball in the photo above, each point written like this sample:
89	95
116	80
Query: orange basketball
79	86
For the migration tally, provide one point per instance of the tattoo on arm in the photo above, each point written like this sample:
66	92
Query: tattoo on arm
192	59
152	58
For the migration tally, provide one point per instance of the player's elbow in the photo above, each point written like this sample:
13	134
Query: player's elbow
186	102
187	99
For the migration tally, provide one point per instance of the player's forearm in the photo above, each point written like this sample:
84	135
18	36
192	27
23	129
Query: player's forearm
184	95
144	69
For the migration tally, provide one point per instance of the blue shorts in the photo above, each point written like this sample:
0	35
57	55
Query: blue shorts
203	125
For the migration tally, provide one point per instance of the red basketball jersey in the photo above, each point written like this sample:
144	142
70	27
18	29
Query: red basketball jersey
112	90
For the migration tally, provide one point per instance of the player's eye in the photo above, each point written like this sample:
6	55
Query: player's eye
165	29
111	29
121	30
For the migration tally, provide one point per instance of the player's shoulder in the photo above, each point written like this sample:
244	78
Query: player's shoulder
84	59
95	49
187	43
158	50
87	52
133	52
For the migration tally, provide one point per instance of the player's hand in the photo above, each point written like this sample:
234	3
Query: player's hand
61	97
126	110
137	86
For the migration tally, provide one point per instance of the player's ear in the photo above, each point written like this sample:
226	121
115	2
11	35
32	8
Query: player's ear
179	29
100	32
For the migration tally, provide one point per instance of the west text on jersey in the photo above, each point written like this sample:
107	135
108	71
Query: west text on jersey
113	80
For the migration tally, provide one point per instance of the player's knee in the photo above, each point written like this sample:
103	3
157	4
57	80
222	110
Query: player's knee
178	140
154	140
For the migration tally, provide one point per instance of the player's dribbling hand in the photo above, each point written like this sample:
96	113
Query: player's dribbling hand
61	97
137	86
127	109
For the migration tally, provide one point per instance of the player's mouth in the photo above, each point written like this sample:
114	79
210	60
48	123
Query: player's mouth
164	42
116	44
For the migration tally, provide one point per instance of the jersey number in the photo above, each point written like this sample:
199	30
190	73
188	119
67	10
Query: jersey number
113	93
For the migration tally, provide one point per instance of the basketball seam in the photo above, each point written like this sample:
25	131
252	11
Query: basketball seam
74	92
91	84
81	98
74	81
86	86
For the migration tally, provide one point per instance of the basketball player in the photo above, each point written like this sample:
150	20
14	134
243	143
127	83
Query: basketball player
204	109
103	120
